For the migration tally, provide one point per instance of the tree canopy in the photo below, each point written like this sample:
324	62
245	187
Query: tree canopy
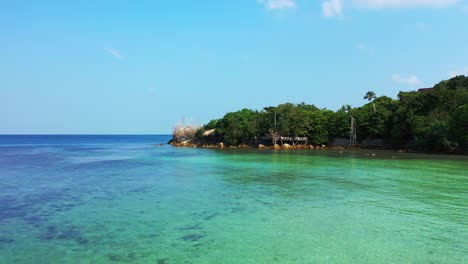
432	120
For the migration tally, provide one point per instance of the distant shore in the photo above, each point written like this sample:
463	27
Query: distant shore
428	120
222	145
338	148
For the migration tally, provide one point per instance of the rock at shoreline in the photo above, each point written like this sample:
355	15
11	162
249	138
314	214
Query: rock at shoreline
222	145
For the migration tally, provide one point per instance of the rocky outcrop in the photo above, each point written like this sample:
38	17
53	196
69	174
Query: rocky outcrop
209	133
221	145
185	143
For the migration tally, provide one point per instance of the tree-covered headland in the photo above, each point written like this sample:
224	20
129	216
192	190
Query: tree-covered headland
427	120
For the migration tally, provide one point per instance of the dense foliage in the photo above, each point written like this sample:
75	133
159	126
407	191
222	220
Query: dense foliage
433	120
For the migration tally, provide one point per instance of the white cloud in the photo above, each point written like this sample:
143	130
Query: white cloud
380	4
462	71
114	52
332	8
278	4
411	79
366	49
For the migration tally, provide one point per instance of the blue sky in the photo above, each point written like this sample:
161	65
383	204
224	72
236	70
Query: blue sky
138	67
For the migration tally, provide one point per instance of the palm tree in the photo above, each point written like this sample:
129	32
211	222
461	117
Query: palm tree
370	96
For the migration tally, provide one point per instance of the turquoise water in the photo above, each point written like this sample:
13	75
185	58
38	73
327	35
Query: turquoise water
121	200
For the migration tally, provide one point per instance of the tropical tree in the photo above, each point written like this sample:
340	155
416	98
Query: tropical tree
339	122
238	127
459	127
370	96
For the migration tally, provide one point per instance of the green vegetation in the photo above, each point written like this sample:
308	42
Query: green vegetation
431	120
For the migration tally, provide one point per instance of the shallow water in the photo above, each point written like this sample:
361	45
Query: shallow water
117	199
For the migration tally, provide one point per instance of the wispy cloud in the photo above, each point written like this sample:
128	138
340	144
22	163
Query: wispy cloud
366	49
332	8
380	4
278	4
411	79
462	71
113	52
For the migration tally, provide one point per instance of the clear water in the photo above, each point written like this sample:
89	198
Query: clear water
105	199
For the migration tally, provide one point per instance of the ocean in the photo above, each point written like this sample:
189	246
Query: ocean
128	199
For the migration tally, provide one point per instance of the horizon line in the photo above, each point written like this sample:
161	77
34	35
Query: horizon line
84	134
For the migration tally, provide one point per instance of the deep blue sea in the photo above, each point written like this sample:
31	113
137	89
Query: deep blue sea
83	140
135	199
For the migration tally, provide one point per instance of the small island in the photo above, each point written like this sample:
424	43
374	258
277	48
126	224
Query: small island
432	120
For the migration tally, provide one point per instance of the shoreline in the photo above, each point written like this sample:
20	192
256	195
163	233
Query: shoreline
339	149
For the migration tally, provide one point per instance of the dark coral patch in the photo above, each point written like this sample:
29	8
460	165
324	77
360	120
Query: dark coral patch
192	237
211	216
34	220
192	227
83	241
6	240
163	261
113	257
69	234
